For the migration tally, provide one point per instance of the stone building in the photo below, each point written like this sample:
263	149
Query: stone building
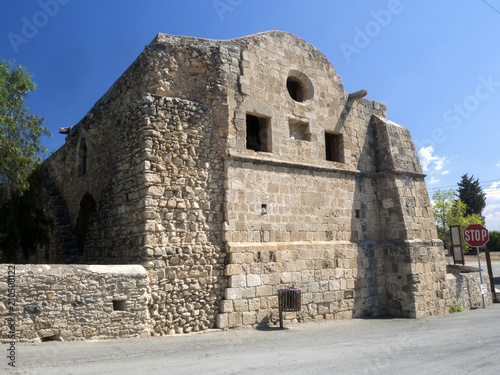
231	169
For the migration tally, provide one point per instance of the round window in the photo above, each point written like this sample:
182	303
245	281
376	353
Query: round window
299	86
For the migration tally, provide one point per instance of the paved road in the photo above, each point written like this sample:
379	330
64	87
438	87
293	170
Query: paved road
460	343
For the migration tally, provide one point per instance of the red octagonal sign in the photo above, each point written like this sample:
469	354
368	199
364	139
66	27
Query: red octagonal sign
476	235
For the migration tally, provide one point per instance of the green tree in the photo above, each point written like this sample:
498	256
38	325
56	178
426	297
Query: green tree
24	223
471	193
449	210
21	149
442	202
494	243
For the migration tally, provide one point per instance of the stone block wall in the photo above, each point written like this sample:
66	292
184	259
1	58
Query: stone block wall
259	87
338	280
415	273
269	201
464	290
68	302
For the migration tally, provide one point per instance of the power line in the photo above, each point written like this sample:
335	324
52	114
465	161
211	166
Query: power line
491	6
451	186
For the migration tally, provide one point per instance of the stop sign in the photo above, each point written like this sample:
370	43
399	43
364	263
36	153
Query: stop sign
476	235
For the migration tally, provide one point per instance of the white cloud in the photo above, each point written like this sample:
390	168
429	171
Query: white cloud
430	162
432	165
433	180
492	209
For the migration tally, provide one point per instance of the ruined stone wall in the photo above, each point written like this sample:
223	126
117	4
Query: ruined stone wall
64	302
104	204
183	215
152	189
161	206
106	130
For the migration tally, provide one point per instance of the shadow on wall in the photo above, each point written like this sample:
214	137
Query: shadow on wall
87	208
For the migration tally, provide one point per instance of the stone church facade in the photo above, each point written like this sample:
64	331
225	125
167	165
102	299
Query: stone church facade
231	169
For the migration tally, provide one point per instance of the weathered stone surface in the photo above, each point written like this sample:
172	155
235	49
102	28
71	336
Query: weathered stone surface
62	301
231	169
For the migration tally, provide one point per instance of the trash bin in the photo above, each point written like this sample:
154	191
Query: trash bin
289	299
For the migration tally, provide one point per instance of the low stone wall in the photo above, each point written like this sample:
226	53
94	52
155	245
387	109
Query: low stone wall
73	302
465	290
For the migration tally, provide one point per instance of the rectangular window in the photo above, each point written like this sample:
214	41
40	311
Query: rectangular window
258	133
119	305
299	130
334	147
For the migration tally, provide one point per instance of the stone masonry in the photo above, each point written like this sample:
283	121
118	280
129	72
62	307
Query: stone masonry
231	169
69	302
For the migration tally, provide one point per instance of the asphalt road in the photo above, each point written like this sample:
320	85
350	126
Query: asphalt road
462	343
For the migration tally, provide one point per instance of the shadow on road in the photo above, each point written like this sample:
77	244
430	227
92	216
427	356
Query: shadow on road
270	329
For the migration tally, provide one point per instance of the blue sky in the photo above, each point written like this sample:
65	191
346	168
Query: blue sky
434	63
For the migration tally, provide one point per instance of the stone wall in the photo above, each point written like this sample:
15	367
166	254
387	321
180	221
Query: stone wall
104	201
160	205
372	197
338	280
272	201
415	273
182	211
65	302
164	172
464	290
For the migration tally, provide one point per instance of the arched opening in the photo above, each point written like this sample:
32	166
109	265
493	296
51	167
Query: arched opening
82	158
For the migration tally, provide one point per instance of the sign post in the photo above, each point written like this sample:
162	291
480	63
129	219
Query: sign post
490	274
476	236
456	245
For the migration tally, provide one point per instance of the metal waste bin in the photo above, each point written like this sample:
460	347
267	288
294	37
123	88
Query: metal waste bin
289	299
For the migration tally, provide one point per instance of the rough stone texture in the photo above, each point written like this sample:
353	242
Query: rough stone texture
69	302
464	290
230	169
338	280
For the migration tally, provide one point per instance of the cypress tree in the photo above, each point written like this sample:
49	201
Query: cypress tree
471	193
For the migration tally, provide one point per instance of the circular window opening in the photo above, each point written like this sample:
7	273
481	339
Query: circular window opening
295	89
299	86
